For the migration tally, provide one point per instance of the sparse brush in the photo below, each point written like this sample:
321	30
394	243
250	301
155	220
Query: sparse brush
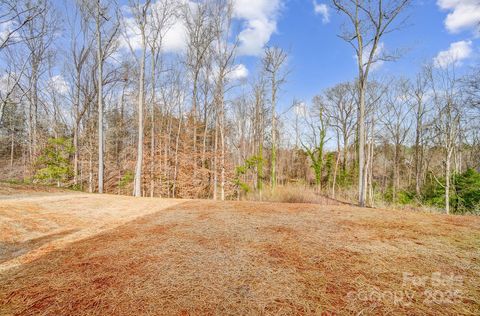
292	194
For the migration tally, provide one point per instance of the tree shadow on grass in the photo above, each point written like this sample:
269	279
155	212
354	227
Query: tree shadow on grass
10	251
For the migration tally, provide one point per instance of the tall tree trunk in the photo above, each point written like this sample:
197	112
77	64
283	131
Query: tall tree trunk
215	161
141	94
273	176
259	136
75	154
76	129
100	102
334	182
361	145
90	173
194	127
32	113
370	162
447	181
222	152
152	129
166	154
345	152
260	165
177	142
12	146
2	109
418	149
395	173
35	110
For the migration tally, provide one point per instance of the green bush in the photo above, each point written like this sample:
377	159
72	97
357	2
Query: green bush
464	195
54	162
467	192
249	164
405	197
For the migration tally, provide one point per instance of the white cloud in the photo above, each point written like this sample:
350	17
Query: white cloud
255	36
6	29
175	39
238	72
322	9
258	18
130	37
457	52
465	15
260	22
59	85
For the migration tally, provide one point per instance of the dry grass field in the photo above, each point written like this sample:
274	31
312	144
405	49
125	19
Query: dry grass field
65	253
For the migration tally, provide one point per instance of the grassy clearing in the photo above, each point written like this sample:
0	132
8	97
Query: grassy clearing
244	258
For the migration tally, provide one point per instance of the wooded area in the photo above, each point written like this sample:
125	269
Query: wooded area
92	100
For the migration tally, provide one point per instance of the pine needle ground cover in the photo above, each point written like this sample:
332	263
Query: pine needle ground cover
79	254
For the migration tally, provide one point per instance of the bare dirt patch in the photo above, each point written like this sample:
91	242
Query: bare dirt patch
247	258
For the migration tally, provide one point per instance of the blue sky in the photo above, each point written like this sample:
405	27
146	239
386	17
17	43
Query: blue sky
320	59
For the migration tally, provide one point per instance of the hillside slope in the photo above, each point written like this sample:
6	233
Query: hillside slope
81	254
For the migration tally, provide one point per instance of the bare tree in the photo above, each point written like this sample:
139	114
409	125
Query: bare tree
375	96
140	13
259	128
105	27
81	49
472	87
447	99
37	36
15	15
201	34
370	22
224	53
418	91
161	19
10	84
341	110
99	16
396	119
317	121
274	62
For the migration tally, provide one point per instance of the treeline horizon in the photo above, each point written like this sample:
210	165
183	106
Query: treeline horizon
78	111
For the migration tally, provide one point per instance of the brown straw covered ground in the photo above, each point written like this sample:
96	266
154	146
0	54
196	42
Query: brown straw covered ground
80	254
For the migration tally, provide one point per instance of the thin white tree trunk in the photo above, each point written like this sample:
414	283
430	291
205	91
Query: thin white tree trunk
274	126
152	130
215	154
447	181
141	94
100	103
12	145
222	152
361	147
177	142
336	168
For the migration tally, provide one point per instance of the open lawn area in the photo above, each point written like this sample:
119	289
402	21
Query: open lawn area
81	254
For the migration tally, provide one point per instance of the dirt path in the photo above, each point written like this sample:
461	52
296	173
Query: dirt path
243	258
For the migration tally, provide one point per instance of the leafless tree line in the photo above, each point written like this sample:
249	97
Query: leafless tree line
149	122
